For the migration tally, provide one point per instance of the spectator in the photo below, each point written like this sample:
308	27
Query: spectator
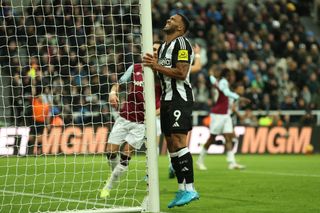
202	93
41	117
308	119
301	104
315	100
277	120
313	83
288	103
265	43
306	95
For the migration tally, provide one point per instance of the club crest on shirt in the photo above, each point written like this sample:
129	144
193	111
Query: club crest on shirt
183	55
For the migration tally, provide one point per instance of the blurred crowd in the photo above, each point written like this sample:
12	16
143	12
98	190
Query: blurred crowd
70	52
264	42
67	53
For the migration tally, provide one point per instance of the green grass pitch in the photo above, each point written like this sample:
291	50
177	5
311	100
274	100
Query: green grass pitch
271	183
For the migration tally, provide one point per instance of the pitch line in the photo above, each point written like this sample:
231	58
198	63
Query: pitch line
55	198
282	174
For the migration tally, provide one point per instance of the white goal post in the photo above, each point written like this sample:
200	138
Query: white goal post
58	62
153	202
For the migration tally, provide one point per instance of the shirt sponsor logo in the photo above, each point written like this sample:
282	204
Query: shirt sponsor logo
138	83
164	61
183	55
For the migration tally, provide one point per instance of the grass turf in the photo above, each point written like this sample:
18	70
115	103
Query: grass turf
271	183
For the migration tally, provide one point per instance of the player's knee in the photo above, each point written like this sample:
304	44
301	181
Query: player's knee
111	155
124	159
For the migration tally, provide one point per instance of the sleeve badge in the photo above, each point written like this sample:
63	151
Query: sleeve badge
183	55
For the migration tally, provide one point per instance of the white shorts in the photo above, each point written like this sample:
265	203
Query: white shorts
127	131
220	124
158	124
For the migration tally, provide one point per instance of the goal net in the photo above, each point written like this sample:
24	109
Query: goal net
59	60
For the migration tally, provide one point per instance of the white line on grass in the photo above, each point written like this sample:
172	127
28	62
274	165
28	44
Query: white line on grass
281	174
55	198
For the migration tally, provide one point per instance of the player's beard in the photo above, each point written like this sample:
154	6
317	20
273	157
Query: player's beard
169	30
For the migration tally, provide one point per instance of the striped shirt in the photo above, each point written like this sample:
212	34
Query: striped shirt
178	50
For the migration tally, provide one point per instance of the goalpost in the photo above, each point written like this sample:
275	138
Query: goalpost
58	62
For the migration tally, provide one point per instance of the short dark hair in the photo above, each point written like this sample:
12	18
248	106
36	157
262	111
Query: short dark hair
185	21
225	72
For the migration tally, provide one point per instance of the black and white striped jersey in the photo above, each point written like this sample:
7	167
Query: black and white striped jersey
178	50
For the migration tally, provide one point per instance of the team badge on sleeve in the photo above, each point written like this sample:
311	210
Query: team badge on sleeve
183	55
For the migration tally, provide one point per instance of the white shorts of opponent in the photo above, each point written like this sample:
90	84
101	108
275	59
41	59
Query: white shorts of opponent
220	124
158	124
127	131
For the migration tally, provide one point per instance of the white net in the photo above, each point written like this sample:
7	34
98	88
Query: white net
59	59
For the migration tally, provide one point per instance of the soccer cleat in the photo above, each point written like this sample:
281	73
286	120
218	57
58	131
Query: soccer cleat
172	174
177	198
105	191
201	166
234	166
187	197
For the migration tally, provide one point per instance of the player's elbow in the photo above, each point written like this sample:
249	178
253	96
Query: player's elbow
181	76
182	71
227	93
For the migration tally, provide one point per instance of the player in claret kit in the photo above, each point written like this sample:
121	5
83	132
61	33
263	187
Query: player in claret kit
129	127
221	121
